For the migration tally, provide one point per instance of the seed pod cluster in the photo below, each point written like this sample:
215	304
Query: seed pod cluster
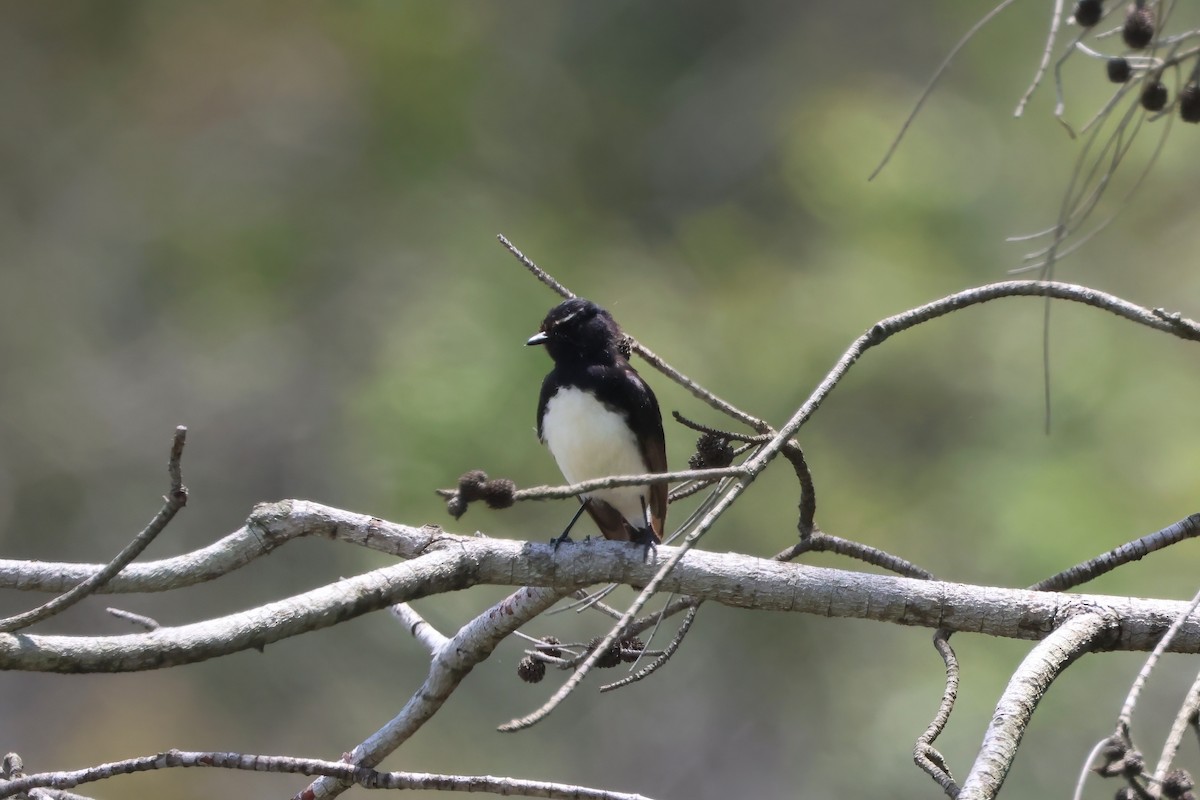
1088	13
1138	30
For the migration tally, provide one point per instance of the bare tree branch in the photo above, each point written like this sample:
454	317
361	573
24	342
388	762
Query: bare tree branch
13	768
175	499
937	76
458	499
421	630
255	628
1136	550
653	666
351	774
257	538
1028	685
447	561
925	755
451	662
140	620
1185	718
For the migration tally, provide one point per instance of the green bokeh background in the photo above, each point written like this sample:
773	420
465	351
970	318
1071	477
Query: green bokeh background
275	224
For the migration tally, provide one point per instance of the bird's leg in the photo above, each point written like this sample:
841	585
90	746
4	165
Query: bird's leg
565	536
644	536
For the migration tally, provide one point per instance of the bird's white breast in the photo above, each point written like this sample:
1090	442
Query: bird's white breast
588	440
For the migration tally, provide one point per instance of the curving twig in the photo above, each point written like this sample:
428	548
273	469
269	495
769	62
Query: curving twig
937	76
1125	718
259	536
821	542
175	499
672	646
1185	718
925	755
1045	662
1055	20
451	663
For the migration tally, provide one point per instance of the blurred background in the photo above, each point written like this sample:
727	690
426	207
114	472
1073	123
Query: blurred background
276	225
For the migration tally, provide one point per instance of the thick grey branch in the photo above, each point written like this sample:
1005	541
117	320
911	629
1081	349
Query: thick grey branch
258	537
443	570
447	562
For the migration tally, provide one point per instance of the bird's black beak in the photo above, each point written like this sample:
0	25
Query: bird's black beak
538	338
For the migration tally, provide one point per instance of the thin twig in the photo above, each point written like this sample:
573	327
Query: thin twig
13	768
336	770
420	629
1184	719
808	491
1125	718
884	329
699	391
1086	769
687	490
937	76
662	659
650	620
175	499
821	542
1055	21
583	600
612	482
925	755
731	435
141	621
538	272
1132	551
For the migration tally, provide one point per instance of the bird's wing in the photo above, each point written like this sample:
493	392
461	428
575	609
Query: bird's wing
647	421
549	387
611	523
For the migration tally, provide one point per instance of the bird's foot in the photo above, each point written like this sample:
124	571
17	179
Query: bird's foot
647	541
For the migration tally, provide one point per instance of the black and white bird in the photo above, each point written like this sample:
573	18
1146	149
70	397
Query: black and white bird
599	418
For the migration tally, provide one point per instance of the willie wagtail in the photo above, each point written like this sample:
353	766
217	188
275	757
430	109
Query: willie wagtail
599	418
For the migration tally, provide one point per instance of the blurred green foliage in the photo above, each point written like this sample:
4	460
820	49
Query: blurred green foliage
275	224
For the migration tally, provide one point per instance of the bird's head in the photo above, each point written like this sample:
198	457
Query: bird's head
578	328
